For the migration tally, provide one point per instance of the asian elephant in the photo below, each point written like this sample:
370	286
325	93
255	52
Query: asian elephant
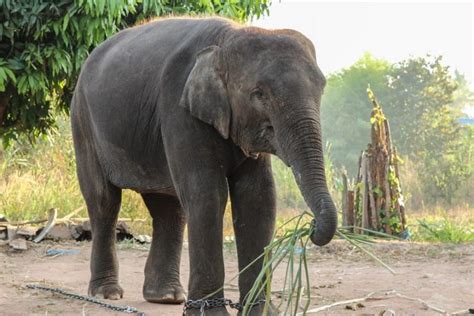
187	111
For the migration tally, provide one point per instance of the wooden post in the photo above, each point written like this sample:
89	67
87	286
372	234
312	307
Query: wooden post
365	193
358	196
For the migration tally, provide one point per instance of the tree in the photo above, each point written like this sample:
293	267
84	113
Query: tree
424	102
345	110
445	156
44	43
419	88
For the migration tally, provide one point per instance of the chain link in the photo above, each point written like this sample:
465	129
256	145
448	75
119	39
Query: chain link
117	308
202	305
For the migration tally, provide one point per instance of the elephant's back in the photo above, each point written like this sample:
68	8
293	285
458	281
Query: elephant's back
123	76
121	89
134	56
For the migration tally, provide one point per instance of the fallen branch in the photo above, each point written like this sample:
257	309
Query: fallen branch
463	312
68	217
22	223
370	297
346	302
125	219
40	221
426	305
53	213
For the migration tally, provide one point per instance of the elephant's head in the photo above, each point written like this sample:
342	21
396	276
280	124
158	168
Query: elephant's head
263	90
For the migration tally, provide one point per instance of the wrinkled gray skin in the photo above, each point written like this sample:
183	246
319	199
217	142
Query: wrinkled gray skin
185	112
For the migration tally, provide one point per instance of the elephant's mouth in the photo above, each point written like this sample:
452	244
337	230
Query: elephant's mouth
250	154
254	155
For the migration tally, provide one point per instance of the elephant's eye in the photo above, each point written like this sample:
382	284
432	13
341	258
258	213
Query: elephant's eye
256	93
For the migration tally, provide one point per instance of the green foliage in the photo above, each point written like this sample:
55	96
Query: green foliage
422	100
425	124
44	43
288	193
36	178
444	230
455	225
419	88
445	162
345	111
289	196
27	191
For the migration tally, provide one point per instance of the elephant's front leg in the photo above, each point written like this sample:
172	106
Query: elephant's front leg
252	193
203	195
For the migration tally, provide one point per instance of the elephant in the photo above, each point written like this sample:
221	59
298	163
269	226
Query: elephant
187	112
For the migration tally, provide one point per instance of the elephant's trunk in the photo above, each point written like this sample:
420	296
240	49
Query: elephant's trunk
303	152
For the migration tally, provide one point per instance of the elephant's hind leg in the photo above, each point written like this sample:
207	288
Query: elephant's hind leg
103	212
103	205
162	283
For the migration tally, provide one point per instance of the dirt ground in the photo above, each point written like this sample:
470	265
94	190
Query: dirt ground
440	275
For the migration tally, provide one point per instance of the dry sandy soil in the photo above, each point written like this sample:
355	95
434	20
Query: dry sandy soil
440	275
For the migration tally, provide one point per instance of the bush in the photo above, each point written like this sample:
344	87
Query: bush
44	43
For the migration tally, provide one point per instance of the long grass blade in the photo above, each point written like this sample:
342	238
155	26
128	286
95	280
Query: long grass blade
371	255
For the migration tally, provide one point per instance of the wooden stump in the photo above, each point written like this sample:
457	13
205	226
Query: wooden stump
376	201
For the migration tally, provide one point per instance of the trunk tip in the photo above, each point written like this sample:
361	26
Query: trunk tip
320	237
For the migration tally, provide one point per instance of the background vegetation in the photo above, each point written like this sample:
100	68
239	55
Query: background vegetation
422	101
43	44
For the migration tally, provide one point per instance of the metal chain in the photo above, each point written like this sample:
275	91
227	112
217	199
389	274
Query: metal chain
117	308
202	305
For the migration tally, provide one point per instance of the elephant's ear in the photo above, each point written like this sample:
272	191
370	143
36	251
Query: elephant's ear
205	93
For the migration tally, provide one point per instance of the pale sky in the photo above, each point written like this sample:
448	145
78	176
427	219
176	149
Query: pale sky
392	30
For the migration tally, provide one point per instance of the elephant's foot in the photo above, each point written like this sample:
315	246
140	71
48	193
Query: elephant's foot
218	311
164	293
111	291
